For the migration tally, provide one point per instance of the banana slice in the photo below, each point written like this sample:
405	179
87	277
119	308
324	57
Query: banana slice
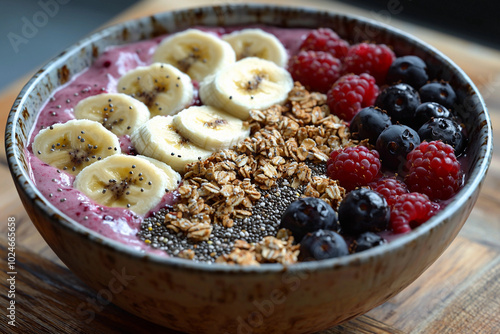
195	52
158	139
74	145
210	128
257	43
173	178
250	83
161	87
119	113
123	181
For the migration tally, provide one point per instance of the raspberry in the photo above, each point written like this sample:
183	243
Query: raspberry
350	94
434	170
374	59
411	210
390	188
353	166
325	39
316	70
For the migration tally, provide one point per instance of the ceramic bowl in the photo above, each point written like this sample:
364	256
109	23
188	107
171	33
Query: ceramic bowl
199	298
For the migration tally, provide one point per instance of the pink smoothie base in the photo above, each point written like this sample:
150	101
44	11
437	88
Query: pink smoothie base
118	224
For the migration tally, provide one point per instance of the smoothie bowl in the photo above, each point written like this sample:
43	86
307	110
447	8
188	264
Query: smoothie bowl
189	252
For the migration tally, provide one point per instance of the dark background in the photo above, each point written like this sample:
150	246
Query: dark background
476	20
69	22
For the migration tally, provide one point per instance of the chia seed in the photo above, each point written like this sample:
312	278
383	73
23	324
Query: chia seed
264	221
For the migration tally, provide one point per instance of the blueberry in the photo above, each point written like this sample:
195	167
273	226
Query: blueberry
394	144
308	214
363	210
321	245
368	123
426	111
408	69
444	129
366	241
400	101
440	92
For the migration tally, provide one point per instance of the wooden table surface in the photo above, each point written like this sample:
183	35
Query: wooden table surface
460	293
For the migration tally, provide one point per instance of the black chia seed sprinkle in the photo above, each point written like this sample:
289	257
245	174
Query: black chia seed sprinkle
264	221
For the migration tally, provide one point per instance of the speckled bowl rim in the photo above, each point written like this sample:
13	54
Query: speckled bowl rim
21	177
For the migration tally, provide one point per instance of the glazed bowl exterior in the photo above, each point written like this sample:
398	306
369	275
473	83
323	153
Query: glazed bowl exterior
200	298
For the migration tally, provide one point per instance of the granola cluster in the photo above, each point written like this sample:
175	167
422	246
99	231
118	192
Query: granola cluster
224	187
279	249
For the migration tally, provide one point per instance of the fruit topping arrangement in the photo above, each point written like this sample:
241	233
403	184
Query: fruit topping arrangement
244	147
